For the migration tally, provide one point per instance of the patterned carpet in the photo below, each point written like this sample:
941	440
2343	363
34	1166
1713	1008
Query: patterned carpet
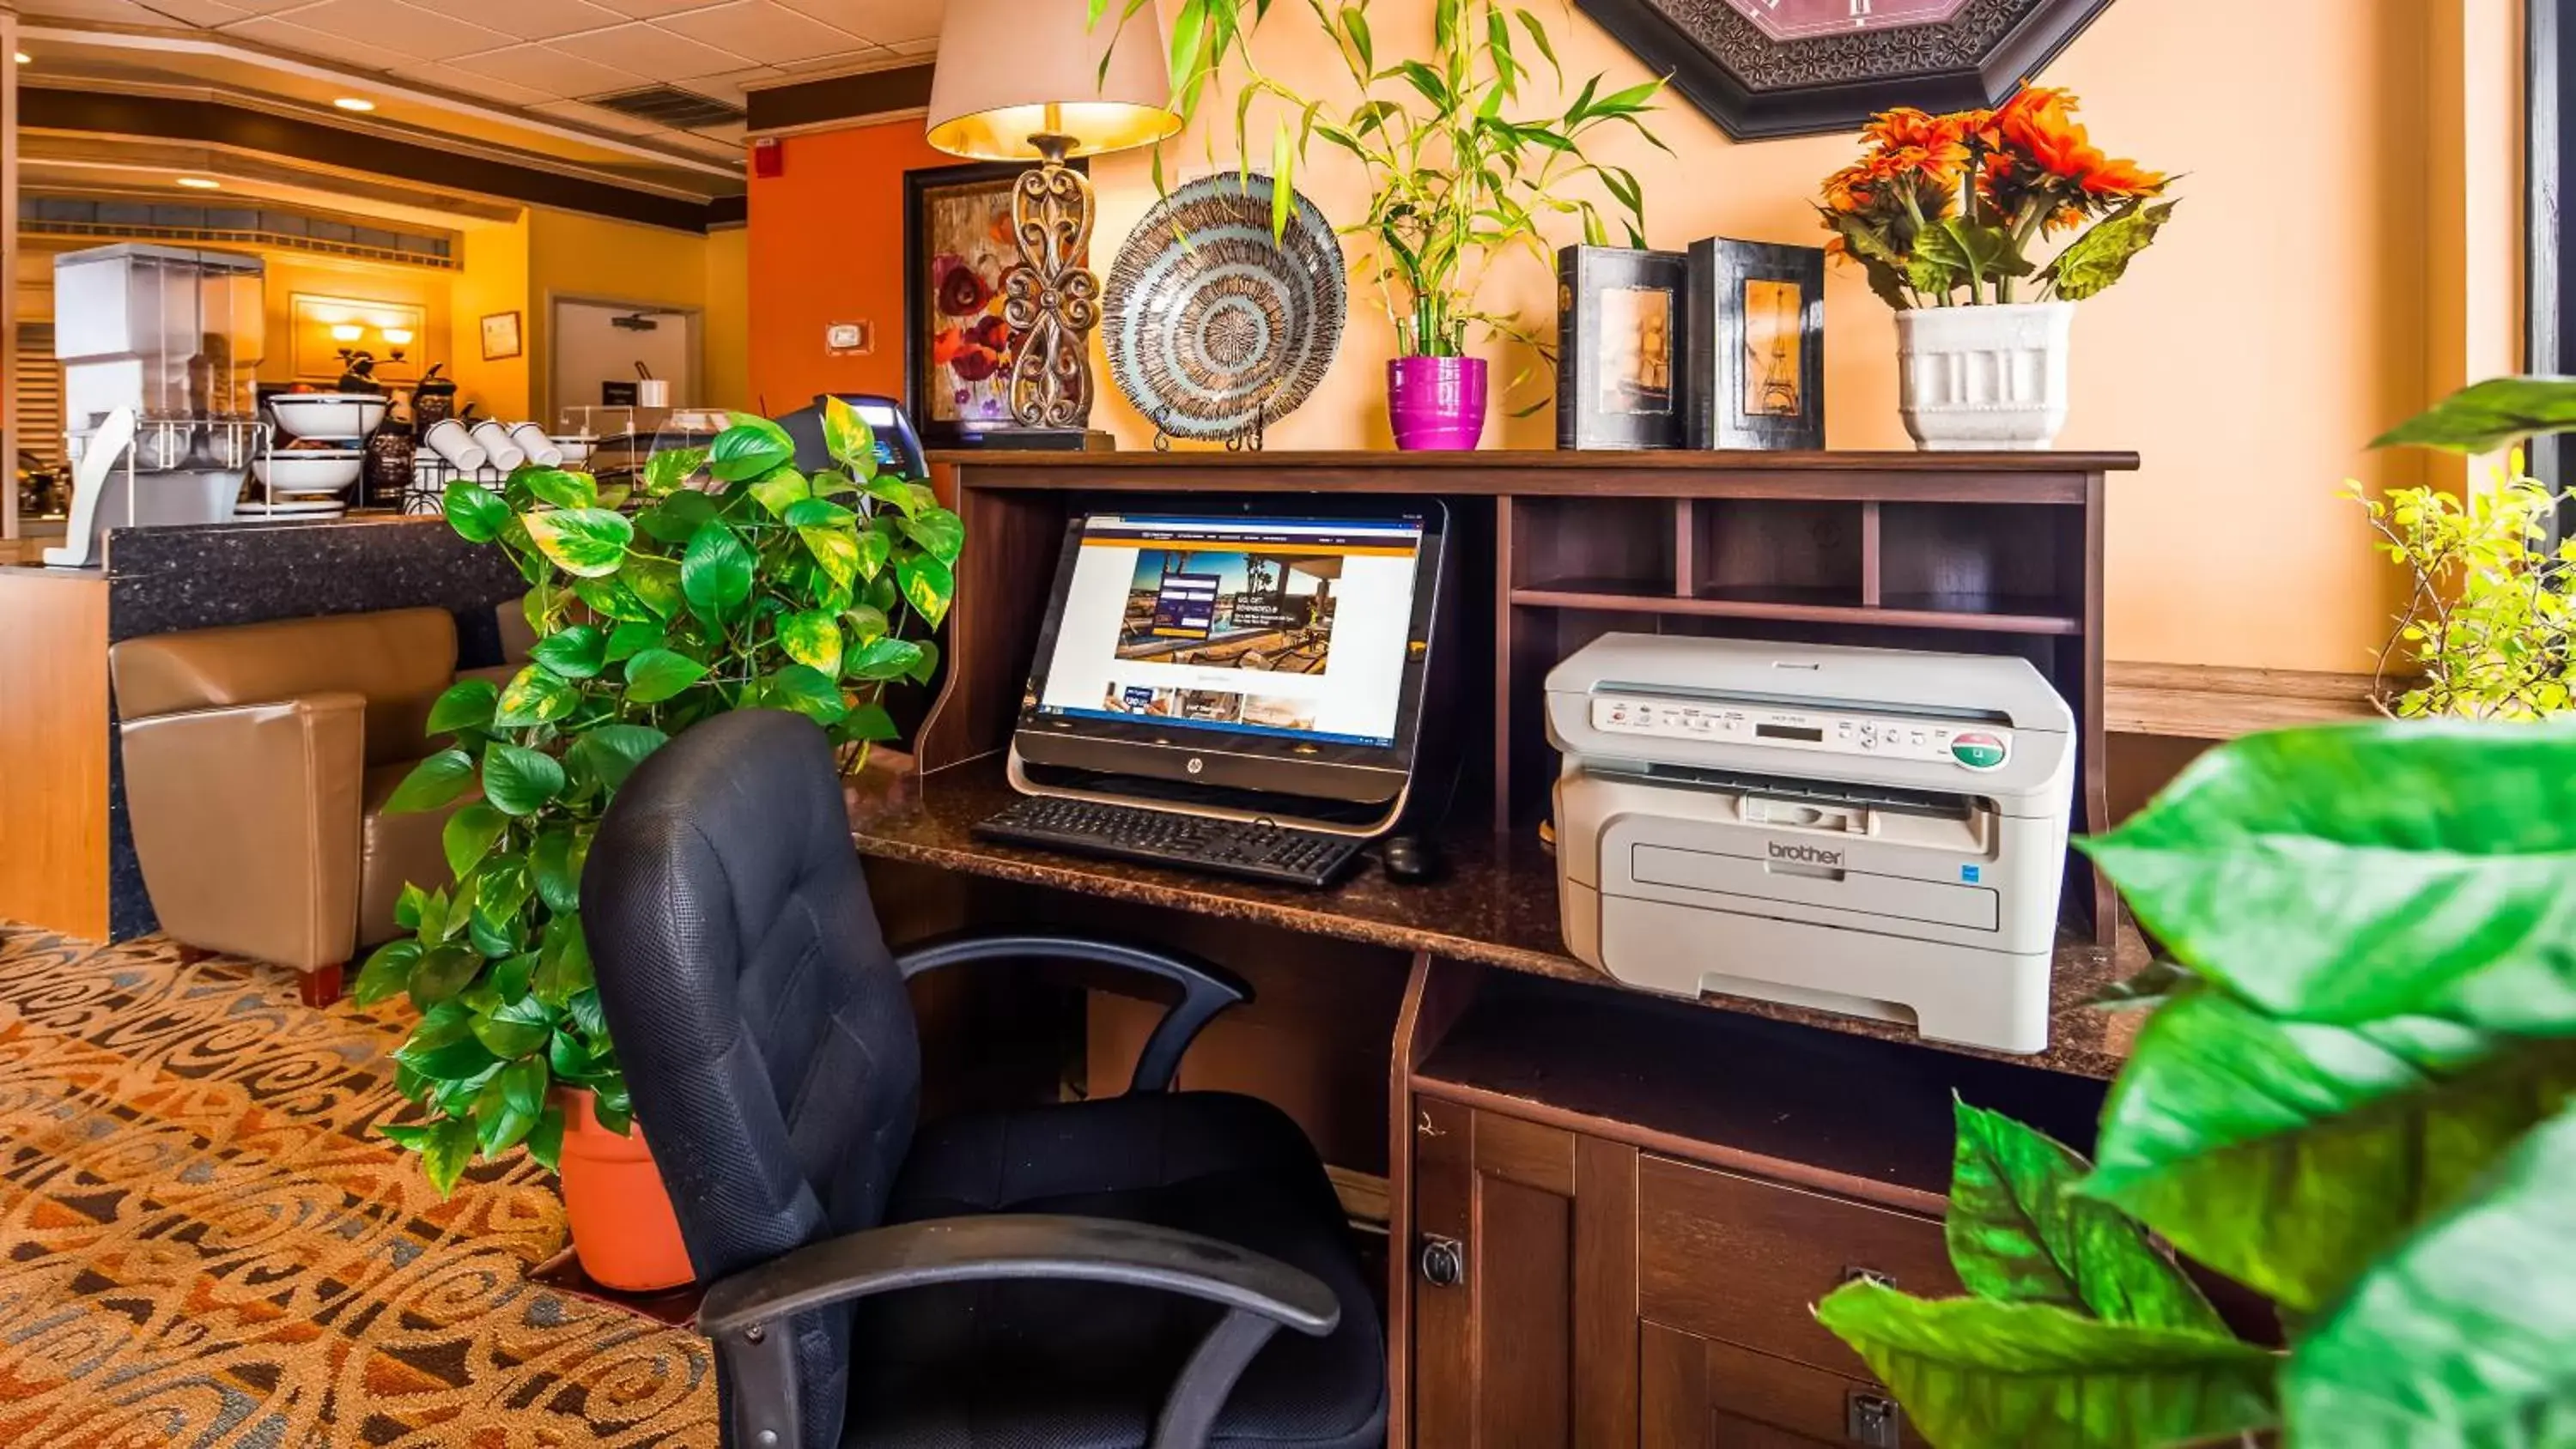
202	1244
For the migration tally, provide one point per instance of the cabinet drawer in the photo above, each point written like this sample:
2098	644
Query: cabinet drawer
1742	1260
1694	1393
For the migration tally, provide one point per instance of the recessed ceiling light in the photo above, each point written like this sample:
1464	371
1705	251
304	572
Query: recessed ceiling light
199	183
354	103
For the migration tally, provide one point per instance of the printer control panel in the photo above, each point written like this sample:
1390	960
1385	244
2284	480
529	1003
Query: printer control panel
1970	744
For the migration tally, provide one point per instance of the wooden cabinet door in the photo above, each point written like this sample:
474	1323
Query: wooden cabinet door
1535	1345
1700	1393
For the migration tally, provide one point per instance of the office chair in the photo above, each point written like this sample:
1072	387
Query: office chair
1072	1276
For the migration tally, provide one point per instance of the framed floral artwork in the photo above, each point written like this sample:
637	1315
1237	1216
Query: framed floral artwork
958	348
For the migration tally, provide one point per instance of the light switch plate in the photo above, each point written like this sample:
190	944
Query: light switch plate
849	337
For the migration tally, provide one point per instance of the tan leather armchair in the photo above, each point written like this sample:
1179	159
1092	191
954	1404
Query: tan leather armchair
257	763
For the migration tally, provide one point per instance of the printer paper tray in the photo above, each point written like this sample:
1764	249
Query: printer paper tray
1891	901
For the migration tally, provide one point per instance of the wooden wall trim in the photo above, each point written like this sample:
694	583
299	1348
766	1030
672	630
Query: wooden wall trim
847	99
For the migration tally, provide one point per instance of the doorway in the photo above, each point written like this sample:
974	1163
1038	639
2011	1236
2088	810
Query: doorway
598	345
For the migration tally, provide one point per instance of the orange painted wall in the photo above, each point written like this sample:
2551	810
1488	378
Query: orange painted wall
826	245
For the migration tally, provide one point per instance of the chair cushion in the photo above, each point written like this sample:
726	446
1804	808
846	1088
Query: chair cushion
1086	1366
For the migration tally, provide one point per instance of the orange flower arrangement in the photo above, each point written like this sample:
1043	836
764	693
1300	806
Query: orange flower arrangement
1941	210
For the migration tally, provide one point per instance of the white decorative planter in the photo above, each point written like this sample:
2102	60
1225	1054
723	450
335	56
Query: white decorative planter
1983	377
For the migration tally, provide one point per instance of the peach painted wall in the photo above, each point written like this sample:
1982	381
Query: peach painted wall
826	245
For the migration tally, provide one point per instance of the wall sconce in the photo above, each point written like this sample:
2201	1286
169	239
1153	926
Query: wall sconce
347	332
396	339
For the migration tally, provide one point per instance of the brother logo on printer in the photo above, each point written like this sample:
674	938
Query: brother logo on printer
1805	854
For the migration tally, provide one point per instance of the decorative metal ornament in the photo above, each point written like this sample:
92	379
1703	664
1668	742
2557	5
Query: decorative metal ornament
1051	300
1216	330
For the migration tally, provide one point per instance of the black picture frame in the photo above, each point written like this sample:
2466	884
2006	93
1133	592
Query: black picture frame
1725	275
1756	88
1605	398
918	185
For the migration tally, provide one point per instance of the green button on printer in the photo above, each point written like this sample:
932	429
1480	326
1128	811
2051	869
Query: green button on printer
1977	752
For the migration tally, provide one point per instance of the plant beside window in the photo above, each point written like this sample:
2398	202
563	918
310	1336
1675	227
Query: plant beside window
1459	171
763	588
2488	621
1945	211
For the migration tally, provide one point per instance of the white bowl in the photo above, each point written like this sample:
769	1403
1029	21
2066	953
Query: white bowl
576	451
327	414
307	471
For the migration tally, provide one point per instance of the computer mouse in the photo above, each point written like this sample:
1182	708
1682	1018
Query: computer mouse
1409	858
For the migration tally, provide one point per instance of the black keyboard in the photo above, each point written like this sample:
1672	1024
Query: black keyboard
1255	849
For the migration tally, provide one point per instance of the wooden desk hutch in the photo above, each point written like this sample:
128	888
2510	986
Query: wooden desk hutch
1607	1212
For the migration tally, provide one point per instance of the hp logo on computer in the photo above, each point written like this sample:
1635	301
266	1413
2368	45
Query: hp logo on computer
1197	764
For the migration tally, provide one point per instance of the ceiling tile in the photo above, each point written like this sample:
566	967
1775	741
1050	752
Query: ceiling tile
547	69
881	21
652	9
598	118
648	51
874	57
697	144
416	32
927	45
475	83
531	19
730	86
286	35
207	13
119	12
761	29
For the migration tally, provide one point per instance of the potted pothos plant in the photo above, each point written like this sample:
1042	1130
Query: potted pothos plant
1463	167
724	580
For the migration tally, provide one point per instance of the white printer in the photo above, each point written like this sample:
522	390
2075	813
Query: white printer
1876	832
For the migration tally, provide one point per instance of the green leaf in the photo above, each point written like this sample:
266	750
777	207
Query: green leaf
818	513
555	863
445	1153
504	888
2102	254
576	651
519	780
806	690
563	962
848	438
1981	252
560	488
899	493
867	622
611	598
665	471
516	1028
466	705
885	658
545	1140
439	973
780	491
656	582
926	665
1970	1372
589	542
742	452
812	637
387	973
534	697
469	836
676	518
407	906
873	546
475	512
2465	1336
939	531
607	754
868	722
2016	1233
432	783
927	586
657	674
715	573
2486	416
2348	873
835	551
632	638
2289	1154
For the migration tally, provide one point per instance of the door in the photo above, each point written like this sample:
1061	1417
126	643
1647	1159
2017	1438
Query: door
1525	1286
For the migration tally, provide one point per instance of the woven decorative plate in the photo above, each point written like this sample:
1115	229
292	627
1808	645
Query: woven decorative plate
1214	330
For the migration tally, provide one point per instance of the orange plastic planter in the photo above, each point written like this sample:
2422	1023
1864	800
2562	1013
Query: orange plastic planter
622	1227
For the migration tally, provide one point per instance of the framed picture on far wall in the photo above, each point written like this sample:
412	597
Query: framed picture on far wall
1757	333
958	247
500	336
1620	378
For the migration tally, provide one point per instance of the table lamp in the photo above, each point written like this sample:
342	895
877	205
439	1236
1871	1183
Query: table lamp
1025	80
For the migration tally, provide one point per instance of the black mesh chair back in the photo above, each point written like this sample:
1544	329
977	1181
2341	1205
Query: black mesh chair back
756	1011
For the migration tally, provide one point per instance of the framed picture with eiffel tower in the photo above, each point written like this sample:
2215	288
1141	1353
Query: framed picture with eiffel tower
1756	330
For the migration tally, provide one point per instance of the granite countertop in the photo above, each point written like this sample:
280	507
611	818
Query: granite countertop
1496	906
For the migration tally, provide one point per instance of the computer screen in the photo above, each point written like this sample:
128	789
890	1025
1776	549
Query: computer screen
1294	629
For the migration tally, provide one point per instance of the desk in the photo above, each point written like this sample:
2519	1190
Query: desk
1607	1212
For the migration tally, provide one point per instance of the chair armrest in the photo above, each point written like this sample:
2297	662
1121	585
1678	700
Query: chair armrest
1206	988
245	821
745	1314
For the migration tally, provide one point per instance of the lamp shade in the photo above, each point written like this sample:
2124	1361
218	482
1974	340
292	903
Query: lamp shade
1010	70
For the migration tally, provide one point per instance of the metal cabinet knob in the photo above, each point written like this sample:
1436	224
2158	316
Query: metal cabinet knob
1443	1262
1872	1420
